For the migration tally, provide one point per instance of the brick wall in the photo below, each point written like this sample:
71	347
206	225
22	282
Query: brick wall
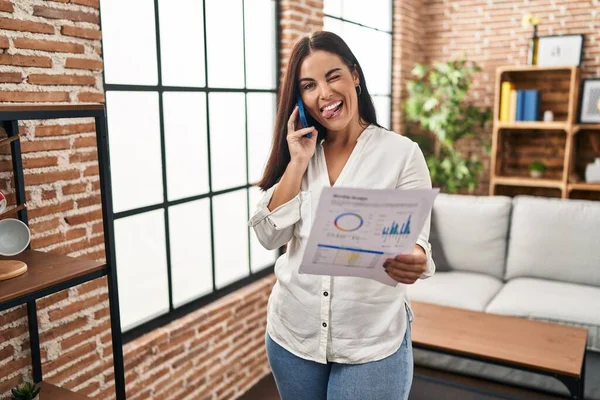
407	50
298	17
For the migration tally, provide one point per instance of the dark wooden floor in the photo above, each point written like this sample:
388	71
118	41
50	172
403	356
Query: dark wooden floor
430	385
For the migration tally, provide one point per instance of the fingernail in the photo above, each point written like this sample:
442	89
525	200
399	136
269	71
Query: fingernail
386	264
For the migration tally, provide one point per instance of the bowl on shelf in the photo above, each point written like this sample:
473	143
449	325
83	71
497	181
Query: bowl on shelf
14	237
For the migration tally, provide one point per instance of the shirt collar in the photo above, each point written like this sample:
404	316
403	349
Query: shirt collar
364	135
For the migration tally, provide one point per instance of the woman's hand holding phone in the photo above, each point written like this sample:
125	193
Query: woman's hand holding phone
301	147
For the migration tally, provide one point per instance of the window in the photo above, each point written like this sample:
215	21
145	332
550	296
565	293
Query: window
366	26
190	97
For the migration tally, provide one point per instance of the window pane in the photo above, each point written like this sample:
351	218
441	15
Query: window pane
261	123
185	144
260	257
259	19
333	25
227	140
129	44
181	42
382	107
374	53
191	258
372	13
381	15
135	154
225	41
332	7
231	237
142	271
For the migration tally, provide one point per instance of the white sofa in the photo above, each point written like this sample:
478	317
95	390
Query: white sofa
529	257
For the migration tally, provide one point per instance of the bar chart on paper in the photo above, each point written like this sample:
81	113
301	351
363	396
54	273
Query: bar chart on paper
395	232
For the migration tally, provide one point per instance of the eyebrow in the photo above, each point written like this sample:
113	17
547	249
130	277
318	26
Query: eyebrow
331	71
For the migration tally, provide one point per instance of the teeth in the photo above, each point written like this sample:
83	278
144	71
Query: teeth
331	107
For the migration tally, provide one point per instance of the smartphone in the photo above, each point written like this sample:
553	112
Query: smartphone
303	116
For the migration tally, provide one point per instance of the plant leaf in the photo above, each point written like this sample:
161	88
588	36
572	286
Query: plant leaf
430	104
419	71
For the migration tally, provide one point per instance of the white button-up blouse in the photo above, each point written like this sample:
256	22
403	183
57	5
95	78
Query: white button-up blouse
339	319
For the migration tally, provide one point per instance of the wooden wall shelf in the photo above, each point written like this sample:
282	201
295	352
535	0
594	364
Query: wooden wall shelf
533	125
528	182
584	186
44	271
586	127
516	144
533	68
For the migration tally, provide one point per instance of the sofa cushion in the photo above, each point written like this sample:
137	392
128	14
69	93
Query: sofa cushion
555	239
469	233
456	289
567	303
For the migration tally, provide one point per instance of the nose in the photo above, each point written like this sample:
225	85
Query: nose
325	91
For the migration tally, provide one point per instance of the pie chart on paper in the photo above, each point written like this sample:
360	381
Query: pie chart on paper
348	222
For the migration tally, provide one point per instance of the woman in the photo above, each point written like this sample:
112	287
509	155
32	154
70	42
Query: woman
335	338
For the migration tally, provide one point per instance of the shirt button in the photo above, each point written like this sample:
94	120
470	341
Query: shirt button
324	325
325	294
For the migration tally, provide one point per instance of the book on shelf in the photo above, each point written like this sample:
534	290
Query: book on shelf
527	105
520	102
531	106
512	108
506	88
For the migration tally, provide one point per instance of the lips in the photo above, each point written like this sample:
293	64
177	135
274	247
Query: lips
332	109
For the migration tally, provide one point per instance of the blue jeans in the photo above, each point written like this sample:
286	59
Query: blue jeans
300	379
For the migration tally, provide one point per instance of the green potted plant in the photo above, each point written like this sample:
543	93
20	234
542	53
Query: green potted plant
27	391
537	169
437	101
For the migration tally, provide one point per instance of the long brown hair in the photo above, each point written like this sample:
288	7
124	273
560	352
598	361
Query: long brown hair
321	40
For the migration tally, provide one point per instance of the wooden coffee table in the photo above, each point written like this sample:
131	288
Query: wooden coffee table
534	346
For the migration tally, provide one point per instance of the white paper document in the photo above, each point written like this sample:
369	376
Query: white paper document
356	230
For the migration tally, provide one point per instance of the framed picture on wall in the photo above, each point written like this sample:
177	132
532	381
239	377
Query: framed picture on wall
589	103
563	50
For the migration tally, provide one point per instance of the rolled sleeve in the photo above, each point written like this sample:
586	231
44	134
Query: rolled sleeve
280	218
275	228
430	263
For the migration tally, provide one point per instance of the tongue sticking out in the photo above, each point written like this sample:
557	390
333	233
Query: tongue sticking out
329	113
